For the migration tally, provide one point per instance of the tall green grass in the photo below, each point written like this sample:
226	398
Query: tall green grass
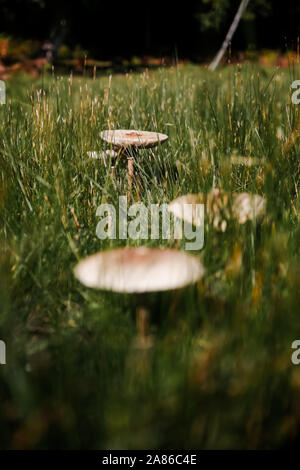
220	372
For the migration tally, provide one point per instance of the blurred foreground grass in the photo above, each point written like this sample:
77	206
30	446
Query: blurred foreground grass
220	372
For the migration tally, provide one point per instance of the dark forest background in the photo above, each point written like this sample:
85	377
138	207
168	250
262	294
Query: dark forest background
191	29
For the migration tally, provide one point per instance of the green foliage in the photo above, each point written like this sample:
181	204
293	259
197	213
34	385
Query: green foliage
64	52
212	14
14	49
79	53
19	49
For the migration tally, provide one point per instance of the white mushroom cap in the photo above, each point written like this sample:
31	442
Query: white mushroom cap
105	155
123	138
247	206
137	270
185	208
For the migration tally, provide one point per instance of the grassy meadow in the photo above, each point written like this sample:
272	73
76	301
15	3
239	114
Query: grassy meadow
219	374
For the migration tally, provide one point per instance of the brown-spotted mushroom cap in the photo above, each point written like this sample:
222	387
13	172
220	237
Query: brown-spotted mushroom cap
139	269
122	138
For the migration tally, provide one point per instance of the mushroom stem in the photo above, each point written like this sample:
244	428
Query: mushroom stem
130	153
130	174
252	260
142	323
140	356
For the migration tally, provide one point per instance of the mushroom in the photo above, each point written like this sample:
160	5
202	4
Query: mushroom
185	208
127	142
138	270
105	156
245	206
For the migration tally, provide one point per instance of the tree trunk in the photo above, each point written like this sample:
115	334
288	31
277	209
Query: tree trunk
234	25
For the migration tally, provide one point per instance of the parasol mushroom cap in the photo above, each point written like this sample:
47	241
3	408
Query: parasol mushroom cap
245	206
139	270
123	138
248	206
185	208
105	155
